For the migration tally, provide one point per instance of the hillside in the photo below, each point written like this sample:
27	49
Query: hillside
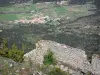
71	30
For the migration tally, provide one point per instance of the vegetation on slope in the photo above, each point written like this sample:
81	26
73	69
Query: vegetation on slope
13	53
57	71
49	59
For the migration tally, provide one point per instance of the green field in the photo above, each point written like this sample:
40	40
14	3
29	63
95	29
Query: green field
8	17
73	12
60	9
14	9
18	8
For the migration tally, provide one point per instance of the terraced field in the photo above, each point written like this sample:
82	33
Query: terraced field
15	12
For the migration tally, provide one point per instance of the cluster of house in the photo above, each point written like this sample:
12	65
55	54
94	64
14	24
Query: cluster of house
35	20
62	3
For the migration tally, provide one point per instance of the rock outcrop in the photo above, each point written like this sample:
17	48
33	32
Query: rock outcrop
96	64
69	59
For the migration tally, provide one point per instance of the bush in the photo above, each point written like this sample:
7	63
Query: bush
4	49
49	58
16	55
2	53
45	69
13	53
57	71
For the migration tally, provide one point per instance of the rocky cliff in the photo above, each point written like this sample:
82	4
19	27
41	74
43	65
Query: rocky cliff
69	59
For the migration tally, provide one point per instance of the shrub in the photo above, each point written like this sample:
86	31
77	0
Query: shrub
2	53
89	73
4	70
49	58
57	71
44	68
4	44
4	49
16	55
13	53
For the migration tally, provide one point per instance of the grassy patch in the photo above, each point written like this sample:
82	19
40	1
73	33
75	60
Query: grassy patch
33	7
52	70
18	8
8	17
49	58
60	9
57	71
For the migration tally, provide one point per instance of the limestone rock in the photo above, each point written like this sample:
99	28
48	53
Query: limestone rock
72	59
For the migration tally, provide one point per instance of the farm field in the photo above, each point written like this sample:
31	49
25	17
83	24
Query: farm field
16	12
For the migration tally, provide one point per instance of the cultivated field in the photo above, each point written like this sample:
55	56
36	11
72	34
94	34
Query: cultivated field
52	10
